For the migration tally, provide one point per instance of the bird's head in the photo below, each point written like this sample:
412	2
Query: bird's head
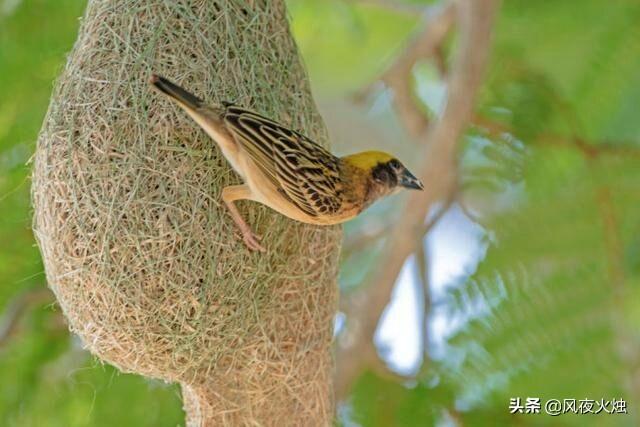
385	171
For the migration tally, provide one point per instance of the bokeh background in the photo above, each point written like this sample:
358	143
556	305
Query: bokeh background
528	285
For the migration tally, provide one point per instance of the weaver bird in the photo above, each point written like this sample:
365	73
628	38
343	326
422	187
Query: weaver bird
287	171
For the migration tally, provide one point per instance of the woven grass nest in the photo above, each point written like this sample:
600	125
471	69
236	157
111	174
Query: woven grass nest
137	246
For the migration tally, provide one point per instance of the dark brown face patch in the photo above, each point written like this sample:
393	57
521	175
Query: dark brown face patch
385	173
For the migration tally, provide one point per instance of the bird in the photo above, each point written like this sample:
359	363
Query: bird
287	171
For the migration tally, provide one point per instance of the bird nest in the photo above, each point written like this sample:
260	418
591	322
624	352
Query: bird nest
138	248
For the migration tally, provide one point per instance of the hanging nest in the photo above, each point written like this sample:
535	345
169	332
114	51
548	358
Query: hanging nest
138	248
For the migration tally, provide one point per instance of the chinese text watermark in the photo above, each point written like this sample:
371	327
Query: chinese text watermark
554	407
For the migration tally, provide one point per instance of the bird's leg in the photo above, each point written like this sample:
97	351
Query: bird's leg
239	192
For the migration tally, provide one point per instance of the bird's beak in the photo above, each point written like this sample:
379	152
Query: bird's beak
407	180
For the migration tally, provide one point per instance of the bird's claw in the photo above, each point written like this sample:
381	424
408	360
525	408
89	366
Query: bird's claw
252	241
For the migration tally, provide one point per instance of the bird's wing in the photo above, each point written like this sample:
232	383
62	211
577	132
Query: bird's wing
304	172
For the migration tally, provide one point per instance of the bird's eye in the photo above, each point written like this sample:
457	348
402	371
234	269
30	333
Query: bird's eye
394	164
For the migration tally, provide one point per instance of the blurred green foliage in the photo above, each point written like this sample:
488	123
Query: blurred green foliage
552	311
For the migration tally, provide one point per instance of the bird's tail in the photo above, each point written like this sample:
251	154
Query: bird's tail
209	117
180	95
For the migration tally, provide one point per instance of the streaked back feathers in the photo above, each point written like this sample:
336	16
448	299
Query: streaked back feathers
305	173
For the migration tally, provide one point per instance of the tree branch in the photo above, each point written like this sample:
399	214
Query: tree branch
438	21
589	149
423	289
439	172
397	6
437	24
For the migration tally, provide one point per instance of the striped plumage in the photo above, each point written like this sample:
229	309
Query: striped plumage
287	171
304	172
